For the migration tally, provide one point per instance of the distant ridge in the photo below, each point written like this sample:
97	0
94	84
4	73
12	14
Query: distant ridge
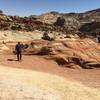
80	23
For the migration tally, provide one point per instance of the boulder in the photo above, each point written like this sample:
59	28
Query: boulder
72	66
45	51
60	60
90	65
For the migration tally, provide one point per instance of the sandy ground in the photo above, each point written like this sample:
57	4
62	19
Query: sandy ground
89	77
20	84
36	78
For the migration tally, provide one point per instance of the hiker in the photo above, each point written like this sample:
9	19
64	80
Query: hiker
18	49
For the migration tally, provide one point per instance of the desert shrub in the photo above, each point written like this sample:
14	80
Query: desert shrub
16	27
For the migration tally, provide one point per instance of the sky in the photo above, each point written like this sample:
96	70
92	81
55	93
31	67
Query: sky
37	7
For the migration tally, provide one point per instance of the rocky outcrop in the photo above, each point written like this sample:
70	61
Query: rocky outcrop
92	28
80	52
49	18
73	23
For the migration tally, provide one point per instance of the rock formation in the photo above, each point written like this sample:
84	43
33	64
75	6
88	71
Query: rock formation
82	53
87	23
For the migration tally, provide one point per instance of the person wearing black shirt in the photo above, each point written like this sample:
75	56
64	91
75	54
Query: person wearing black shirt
18	49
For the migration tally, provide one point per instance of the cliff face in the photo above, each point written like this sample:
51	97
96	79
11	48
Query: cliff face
88	22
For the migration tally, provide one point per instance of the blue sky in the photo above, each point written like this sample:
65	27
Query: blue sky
31	7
